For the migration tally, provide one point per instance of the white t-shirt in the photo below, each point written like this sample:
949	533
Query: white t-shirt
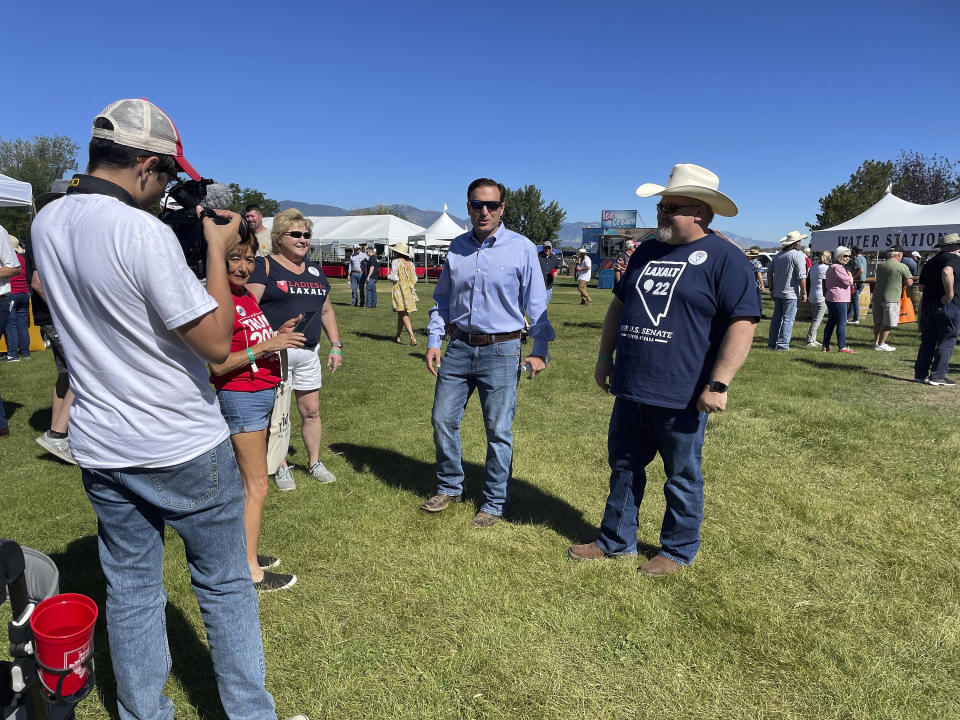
117	285
815	284
585	273
8	258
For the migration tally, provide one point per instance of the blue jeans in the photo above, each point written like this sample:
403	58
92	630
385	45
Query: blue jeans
356	287
18	337
4	316
938	336
637	433
372	292
202	500
836	318
493	371
549	294
853	314
781	324
247	411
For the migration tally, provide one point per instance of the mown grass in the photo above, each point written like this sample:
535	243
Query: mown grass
827	586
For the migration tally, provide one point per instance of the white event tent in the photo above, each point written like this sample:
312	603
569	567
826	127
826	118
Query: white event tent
330	234
15	193
891	222
437	236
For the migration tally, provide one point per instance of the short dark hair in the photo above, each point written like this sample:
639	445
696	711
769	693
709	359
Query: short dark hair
107	153
857	250
487	182
252	206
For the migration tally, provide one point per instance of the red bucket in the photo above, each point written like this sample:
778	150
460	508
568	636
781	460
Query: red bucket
63	638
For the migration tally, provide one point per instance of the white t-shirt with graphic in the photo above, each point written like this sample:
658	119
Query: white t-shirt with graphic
118	287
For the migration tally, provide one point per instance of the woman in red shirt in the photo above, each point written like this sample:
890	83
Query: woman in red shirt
246	385
17	334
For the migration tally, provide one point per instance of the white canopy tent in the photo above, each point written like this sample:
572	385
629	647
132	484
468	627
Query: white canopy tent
891	222
15	193
330	234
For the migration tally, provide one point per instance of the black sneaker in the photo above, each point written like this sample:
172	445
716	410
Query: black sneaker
945	382
275	581
267	561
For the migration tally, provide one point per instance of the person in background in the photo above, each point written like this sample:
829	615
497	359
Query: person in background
816	298
787	279
858	271
254	217
17	334
9	268
371	275
939	313
549	265
582	274
910	261
286	284
356	276
404	294
246	384
892	277
753	255
836	290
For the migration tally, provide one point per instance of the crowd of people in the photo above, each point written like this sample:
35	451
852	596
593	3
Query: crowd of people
146	347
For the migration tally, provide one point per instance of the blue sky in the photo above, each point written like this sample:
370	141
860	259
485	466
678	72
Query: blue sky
353	104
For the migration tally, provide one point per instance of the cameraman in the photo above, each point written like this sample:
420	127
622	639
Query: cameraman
145	428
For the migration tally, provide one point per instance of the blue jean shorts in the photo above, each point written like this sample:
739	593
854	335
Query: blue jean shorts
246	411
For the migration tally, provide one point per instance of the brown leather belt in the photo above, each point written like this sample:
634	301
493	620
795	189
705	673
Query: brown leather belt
480	339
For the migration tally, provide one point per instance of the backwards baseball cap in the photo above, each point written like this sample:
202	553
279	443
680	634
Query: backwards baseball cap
142	125
547	243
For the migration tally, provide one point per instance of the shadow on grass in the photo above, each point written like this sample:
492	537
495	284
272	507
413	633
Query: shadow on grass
589	325
40	420
10	408
528	504
80	572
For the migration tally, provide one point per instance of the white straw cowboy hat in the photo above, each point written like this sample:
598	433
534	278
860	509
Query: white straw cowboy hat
792	237
695	182
401	249
951	239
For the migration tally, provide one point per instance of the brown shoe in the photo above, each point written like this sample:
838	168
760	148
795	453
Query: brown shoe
484	520
659	565
438	503
590	551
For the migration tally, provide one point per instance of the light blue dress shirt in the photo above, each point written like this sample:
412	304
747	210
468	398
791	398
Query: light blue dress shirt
486	287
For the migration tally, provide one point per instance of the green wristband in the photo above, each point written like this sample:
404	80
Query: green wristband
250	355
336	351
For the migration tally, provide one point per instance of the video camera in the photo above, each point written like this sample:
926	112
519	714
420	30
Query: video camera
181	216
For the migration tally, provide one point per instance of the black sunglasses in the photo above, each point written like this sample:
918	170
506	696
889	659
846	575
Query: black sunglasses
670	208
297	234
490	205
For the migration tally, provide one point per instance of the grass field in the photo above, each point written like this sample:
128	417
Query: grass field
827	585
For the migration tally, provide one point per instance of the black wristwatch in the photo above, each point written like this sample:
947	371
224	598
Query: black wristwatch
717	386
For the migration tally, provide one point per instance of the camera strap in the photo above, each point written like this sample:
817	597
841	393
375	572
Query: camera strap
90	185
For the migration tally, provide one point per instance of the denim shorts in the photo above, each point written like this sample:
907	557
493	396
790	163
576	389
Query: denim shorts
246	411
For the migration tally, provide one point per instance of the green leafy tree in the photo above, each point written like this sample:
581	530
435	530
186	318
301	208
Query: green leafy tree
250	196
39	162
380	210
913	177
526	213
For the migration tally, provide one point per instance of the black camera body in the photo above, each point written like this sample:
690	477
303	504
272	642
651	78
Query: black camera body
188	227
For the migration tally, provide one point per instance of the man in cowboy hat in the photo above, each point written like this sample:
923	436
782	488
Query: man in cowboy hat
681	323
939	313
787	280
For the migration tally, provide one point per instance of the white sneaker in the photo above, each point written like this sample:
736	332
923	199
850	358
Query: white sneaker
284	479
887	348
321	473
60	447
814	343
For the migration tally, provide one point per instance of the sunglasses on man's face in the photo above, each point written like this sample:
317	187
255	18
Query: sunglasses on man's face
297	234
490	205
670	208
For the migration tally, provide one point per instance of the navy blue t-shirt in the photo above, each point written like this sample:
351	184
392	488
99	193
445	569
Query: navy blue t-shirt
287	295
677	303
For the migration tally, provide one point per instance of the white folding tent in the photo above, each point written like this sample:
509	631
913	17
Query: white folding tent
15	193
890	222
437	237
331	234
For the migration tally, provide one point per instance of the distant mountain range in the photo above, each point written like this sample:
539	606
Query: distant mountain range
568	238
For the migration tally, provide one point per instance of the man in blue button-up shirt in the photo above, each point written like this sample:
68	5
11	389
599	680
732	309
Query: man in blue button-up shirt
490	279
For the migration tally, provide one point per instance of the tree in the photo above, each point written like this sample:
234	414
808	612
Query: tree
250	196
525	213
380	210
39	162
913	177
